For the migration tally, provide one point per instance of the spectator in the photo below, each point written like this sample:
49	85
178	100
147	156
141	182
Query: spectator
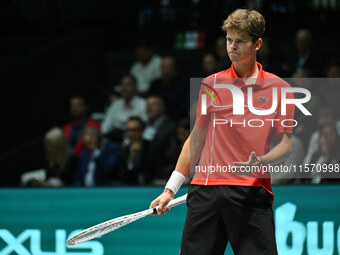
306	59
265	57
172	89
79	111
182	133
328	153
159	132
61	162
295	159
135	153
130	104
301	80
99	163
307	124
326	116
330	91
210	64
147	67
221	51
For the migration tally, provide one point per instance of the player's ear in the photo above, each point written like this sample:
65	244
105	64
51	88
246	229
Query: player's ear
258	44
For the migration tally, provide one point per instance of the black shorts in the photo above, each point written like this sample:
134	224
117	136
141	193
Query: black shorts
242	215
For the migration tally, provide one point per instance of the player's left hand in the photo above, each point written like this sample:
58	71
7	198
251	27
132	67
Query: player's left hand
252	161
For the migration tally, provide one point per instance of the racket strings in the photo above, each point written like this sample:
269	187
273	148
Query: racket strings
111	225
100	230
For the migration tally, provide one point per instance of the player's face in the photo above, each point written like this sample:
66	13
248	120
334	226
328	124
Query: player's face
240	47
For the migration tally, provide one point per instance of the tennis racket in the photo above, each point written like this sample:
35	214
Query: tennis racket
114	224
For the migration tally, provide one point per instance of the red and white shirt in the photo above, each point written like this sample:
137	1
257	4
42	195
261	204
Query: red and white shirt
230	137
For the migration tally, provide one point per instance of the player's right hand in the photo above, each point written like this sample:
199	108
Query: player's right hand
162	201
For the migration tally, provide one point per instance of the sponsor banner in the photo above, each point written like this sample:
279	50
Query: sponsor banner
39	221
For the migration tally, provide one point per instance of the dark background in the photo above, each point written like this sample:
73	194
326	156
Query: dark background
50	50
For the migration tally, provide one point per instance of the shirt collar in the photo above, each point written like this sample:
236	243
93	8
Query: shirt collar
240	83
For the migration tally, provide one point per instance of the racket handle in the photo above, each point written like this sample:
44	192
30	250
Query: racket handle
178	201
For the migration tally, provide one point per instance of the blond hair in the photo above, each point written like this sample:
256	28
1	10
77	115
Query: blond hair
248	21
55	137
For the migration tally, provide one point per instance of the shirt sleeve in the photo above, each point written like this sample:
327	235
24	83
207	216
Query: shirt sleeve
142	110
107	126
202	119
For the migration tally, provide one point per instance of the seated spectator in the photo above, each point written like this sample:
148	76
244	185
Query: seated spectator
99	163
130	104
306	59
265	57
330	92
135	154
326	115
295	159
61	162
301	80
147	67
172	89
182	133
209	64
327	153
79	111
159	132
307	124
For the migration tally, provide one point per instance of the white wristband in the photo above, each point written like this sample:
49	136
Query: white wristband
175	182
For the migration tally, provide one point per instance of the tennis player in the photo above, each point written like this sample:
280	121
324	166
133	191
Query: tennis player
231	206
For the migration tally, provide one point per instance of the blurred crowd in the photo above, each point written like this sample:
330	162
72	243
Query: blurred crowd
147	120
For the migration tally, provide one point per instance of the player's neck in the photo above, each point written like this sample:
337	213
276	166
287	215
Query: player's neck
247	70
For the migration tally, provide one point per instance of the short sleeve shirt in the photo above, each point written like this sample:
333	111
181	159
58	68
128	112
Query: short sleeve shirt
240	119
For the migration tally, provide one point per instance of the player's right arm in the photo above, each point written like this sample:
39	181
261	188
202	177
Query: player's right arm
188	157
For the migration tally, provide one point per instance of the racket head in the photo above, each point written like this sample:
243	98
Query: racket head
106	227
116	223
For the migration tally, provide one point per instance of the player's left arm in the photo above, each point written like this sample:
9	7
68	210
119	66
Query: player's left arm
276	155
281	151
